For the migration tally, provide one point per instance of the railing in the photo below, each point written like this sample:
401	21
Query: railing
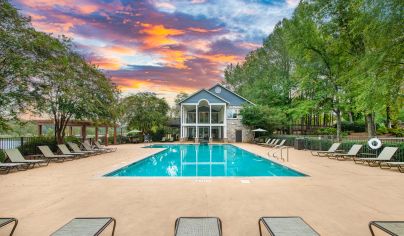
14	142
315	142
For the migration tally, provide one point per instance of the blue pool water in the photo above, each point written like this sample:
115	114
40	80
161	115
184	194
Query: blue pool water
187	160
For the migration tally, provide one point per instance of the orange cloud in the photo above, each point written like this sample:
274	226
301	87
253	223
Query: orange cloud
175	58
158	35
221	58
117	49
107	63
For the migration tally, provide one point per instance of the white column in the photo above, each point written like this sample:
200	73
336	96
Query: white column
225	123
181	123
197	121
210	114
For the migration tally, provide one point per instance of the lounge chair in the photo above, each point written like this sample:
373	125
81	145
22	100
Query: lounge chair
332	150
394	228
353	152
63	148
388	165
86	226
99	146
272	143
87	147
266	142
6	221
9	166
77	149
281	144
286	226
48	154
198	226
15	156
385	156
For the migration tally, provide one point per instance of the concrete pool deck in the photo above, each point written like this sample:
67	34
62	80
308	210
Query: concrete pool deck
339	197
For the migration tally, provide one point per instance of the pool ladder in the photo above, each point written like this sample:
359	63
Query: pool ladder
279	153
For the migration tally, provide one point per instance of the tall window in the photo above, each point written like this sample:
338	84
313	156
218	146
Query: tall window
233	113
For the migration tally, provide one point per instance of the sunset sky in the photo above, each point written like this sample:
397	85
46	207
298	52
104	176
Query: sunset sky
161	46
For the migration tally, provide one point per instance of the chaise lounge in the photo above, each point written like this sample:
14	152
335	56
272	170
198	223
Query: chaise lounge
48	154
272	143
99	146
7	167
286	226
332	150
385	156
388	165
89	226
6	221
15	156
77	149
394	228
266	142
198	226
87	147
353	152
63	148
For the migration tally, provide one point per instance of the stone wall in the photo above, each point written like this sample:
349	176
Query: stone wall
235	124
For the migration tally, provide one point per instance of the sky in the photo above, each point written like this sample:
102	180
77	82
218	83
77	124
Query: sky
160	46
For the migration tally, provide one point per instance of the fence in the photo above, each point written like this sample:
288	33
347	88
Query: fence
313	142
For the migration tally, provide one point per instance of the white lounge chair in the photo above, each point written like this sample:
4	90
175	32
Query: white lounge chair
332	150
48	154
286	226
89	226
7	167
198	226
63	148
15	156
385	156
353	152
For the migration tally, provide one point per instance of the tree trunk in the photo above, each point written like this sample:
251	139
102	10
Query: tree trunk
339	133
370	125
350	114
388	117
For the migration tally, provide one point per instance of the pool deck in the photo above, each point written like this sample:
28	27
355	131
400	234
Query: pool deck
339	197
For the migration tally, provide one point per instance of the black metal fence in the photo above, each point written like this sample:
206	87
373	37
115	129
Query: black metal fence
313	142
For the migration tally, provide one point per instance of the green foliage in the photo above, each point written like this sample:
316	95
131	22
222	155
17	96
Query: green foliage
326	131
175	110
30	147
260	117
145	111
45	74
341	56
357	126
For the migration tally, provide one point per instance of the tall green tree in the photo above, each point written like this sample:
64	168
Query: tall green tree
145	111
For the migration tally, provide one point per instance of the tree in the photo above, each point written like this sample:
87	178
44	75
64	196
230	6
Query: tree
70	88
145	111
45	74
258	116
20	56
175	110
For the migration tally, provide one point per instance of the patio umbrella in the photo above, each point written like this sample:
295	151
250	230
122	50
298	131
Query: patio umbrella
134	131
258	130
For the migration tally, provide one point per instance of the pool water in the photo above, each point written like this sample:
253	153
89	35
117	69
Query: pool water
188	160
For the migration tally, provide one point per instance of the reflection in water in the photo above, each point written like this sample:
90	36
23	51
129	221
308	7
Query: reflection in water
204	160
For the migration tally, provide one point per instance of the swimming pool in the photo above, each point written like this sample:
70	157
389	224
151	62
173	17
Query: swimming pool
217	160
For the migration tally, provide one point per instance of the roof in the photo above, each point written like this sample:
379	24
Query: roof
233	98
204	94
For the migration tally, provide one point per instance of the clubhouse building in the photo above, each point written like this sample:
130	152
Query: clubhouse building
213	115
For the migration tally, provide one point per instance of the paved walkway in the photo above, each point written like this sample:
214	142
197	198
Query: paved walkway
339	198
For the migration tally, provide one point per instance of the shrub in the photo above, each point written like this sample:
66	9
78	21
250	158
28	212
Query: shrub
357	126
399	132
30	146
326	131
